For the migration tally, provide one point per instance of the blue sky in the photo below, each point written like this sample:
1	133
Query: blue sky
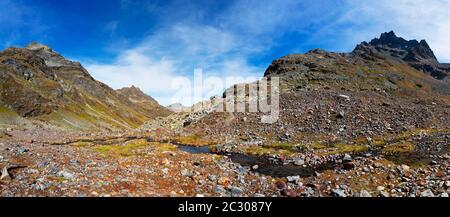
148	43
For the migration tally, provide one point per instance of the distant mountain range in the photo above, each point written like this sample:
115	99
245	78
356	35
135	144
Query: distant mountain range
39	87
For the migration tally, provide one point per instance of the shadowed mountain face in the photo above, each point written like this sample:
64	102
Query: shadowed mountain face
39	84
417	54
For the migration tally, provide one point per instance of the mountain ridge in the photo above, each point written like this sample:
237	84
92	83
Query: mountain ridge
39	84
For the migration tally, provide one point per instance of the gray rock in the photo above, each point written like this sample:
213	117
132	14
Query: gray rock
293	179
445	194
299	162
21	150
338	193
186	172
65	174
427	193
165	170
219	189
212	178
347	158
42	164
235	191
384	194
308	192
364	193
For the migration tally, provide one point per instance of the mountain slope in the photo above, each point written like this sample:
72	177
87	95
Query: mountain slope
142	102
329	96
41	85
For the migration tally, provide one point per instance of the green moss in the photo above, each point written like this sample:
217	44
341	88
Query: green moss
122	150
402	147
82	144
317	146
4	110
193	140
261	151
379	142
346	148
285	146
162	147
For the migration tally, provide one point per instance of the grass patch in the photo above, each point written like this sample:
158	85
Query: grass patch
317	146
162	147
361	140
285	146
4	110
262	151
193	140
380	142
403	147
411	159
124	150
82	144
346	148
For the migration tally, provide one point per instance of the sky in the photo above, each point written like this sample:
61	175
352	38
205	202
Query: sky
150	43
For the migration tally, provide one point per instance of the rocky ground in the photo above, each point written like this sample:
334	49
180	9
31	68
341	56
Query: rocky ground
123	167
157	164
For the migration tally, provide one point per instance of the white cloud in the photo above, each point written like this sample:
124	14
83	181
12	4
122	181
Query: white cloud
225	44
411	19
156	62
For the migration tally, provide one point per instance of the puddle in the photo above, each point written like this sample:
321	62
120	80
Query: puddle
194	149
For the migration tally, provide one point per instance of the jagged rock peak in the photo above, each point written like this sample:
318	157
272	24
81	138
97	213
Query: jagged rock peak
417	54
412	50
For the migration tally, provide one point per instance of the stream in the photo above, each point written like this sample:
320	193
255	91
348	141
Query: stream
265	166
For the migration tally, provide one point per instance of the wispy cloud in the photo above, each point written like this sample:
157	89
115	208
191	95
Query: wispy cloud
157	61
221	45
226	41
412	19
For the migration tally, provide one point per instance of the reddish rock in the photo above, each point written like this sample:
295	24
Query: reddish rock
348	165
289	193
280	185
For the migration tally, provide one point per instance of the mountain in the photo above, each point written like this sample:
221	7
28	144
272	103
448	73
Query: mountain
39	85
178	107
417	54
386	87
143	102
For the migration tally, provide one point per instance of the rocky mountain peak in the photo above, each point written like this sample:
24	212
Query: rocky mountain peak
390	39
413	50
417	54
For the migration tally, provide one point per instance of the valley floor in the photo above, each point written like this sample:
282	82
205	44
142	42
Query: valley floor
41	163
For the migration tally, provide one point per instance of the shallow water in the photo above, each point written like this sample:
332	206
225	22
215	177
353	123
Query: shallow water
265	166
194	150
